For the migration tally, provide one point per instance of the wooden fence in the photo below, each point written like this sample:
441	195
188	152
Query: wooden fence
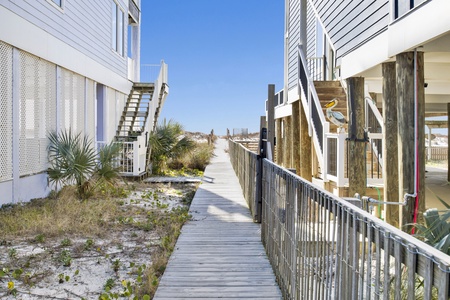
322	247
437	153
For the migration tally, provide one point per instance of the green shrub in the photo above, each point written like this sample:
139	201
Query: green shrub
73	160
168	143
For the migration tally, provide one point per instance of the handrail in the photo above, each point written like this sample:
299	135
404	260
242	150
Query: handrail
158	98
316	119
323	247
374	109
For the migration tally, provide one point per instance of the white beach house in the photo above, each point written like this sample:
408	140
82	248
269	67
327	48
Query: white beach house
70	64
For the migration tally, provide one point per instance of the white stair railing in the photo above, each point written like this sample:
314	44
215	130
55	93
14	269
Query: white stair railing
374	125
318	126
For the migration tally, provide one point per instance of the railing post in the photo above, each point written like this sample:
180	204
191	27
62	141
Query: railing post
341	159
262	149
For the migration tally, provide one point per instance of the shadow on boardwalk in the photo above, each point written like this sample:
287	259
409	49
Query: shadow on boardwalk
219	253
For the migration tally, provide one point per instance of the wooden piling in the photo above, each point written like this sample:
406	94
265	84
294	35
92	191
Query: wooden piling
305	146
288	142
390	149
407	141
357	164
279	143
296	136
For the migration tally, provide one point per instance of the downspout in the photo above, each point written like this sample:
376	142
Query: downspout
416	147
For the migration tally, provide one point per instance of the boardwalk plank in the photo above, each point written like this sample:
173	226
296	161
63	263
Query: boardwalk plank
219	253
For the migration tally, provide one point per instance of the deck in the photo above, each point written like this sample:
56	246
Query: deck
219	253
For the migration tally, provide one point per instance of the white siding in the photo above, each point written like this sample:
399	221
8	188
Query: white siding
350	24
84	25
294	41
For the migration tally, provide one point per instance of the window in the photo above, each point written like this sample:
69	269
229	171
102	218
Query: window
404	6
118	32
59	4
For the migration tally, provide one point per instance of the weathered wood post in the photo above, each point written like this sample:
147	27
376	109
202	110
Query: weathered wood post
279	142
296	136
390	143
305	146
262	150
271	118
357	139
410	88
287	142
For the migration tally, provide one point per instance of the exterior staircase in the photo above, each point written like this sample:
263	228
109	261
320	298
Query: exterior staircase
328	90
136	111
138	120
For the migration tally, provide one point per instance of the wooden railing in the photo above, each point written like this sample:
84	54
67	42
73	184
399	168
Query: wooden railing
322	247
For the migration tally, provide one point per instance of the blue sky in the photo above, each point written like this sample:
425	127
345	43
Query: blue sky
221	57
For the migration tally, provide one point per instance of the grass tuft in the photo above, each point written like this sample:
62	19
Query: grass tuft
52	217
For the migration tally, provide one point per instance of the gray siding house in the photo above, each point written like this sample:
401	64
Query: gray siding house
388	64
70	65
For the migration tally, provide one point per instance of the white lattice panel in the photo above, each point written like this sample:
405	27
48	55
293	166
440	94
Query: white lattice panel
79	84
5	111
66	99
37	112
72	106
90	115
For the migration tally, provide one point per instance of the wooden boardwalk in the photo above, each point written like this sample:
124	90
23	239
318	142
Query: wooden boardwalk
219	253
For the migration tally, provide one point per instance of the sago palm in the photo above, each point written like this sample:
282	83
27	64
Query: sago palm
168	142
72	159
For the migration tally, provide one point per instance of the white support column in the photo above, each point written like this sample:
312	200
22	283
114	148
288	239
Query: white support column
325	161
16	125
86	82
95	115
341	159
429	143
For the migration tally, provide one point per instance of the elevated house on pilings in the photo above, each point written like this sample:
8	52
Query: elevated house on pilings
388	63
72	65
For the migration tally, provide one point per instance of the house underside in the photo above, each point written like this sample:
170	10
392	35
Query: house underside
390	72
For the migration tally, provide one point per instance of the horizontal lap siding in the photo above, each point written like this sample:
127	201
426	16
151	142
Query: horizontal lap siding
294	41
351	23
311	33
84	25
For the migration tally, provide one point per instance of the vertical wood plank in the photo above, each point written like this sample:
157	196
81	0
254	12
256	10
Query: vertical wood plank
369	260
411	264
444	282
398	270
377	264
387	279
428	279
